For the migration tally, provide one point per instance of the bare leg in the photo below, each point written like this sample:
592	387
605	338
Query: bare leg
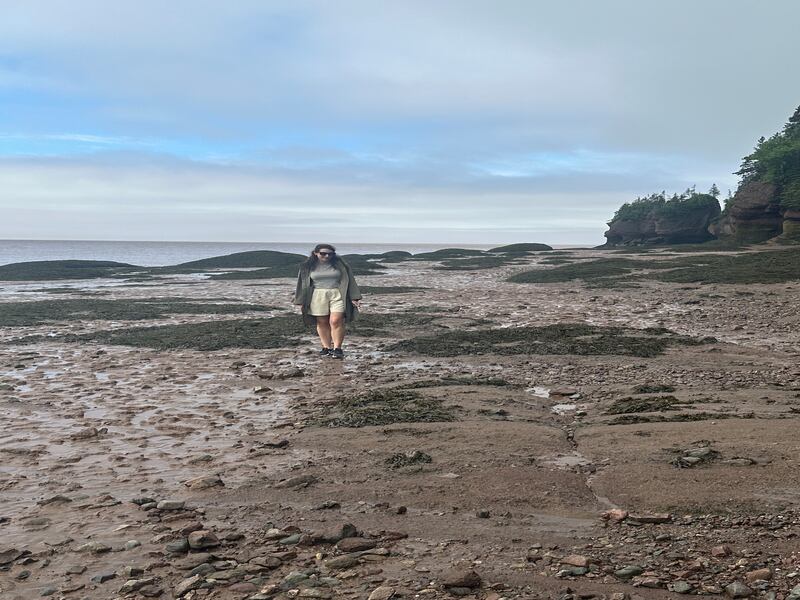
324	331
337	328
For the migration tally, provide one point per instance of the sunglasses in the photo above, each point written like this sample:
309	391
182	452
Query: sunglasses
326	253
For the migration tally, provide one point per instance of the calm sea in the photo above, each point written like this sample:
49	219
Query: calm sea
153	254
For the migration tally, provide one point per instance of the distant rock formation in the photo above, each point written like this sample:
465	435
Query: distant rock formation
657	222
753	215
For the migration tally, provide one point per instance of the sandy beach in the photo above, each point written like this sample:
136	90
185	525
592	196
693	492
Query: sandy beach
568	469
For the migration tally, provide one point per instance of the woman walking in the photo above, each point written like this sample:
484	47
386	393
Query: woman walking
329	297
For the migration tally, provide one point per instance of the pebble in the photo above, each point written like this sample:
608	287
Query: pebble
738	590
629	571
188	585
171	505
459	578
198	540
381	593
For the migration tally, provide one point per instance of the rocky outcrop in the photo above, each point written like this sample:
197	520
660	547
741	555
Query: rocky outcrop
791	224
753	215
663	227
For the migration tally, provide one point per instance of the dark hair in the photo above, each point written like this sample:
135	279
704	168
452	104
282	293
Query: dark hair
312	259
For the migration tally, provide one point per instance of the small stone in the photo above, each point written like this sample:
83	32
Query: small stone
483	514
178	546
794	594
243	587
461	578
203	539
355	544
381	593
94	548
103	577
187	585
290	540
401	510
131	544
133	585
151	591
758	575
721	551
297	482
615	515
738	590
681	587
315	593
75	570
629	571
204	482
49	590
342	562
171	505
654	518
576	560
130	572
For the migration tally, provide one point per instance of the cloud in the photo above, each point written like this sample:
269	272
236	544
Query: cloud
250	110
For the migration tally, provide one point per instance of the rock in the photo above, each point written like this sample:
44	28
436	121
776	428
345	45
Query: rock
381	593
681	587
615	515
629	571
243	587
131	544
177	547
483	514
659	225
129	572
654	518
142	501
204	482
57	499
171	505
48	590
94	548
794	594
354	544
187	585
76	570
133	585
461	578
103	577
575	560
290	540
150	591
738	590
758	575
753	215
9	555
198	540
297	482
721	551
342	562
315	593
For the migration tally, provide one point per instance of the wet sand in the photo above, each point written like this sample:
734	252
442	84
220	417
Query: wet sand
516	486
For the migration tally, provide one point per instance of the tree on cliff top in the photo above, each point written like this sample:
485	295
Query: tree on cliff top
777	161
659	206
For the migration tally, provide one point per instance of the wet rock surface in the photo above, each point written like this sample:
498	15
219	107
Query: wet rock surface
136	471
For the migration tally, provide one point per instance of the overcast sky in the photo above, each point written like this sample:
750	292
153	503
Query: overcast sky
377	121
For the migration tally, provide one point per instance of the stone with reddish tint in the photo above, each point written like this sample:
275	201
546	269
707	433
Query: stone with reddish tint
461	578
575	560
202	539
615	515
758	575
721	551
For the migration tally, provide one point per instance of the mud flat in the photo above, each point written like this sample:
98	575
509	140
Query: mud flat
615	430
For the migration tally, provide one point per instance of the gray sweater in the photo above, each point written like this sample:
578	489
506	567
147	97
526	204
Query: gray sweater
325	277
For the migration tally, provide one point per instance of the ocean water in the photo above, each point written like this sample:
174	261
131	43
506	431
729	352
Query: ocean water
156	254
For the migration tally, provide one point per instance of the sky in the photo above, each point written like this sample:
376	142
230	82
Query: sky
409	121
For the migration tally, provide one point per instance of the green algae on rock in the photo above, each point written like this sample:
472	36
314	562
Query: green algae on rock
386	407
575	338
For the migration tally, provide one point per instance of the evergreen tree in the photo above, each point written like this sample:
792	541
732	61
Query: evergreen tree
714	191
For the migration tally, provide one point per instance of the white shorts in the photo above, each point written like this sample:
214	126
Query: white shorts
325	302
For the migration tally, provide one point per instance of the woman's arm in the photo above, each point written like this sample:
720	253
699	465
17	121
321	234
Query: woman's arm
298	292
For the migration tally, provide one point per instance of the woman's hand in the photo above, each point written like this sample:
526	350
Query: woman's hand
357	303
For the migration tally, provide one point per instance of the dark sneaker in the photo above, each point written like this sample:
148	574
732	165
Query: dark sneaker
337	353
325	352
